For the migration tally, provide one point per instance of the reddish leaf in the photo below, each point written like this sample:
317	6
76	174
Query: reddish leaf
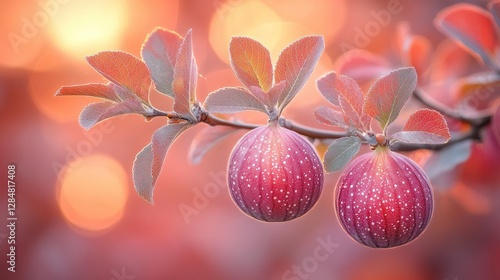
425	126
93	90
329	116
206	140
295	64
387	96
251	62
149	161
232	100
326	86
353	112
340	152
122	93
275	93
185	78
159	51
362	66
96	112
418	53
270	98
124	70
260	95
472	27
449	62
345	92
415	50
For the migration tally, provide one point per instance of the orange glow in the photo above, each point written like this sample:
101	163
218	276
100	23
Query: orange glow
93	193
43	86
274	28
324	17
253	19
305	97
86	27
22	40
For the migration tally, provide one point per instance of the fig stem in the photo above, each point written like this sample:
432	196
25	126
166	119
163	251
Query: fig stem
479	120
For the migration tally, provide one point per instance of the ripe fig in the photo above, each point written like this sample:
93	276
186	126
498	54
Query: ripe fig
383	199
274	174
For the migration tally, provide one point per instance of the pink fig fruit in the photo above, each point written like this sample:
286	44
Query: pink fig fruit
383	199
274	174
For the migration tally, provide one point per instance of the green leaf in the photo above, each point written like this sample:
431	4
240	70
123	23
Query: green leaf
340	152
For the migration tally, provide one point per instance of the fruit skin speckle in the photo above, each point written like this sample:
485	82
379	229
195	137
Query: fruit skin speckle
383	199
274	174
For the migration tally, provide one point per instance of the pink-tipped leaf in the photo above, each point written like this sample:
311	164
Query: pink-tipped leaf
159	51
92	90
124	70
232	100
425	126
470	26
295	64
185	78
388	94
251	62
329	116
345	92
97	112
149	161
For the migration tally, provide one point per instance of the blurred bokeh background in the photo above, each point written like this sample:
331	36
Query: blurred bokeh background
78	214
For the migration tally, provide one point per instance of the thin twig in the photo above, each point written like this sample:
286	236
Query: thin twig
408	147
300	129
312	132
477	123
479	120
